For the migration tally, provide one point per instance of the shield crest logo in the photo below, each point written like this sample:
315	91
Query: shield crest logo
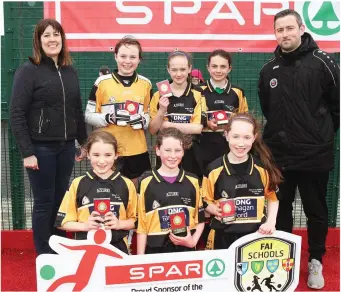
242	268
272	265
257	266
287	264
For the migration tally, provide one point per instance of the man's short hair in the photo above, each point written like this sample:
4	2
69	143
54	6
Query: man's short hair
104	70
287	12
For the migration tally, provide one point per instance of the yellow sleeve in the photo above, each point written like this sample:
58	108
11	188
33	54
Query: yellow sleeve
243	107
199	208
200	109
269	195
141	211
99	99
147	99
132	201
68	209
208	189
153	105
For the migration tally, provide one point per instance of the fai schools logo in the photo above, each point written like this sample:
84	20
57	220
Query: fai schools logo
267	263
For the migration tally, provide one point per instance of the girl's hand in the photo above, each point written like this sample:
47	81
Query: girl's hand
183	241
111	221
214	210
94	221
163	104
212	124
267	228
31	162
80	155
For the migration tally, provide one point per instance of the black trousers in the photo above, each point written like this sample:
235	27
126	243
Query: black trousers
313	190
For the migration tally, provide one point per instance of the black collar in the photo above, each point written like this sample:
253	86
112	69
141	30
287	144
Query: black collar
92	175
187	90
159	178
229	167
119	79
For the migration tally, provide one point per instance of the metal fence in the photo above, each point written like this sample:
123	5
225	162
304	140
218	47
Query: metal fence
16	46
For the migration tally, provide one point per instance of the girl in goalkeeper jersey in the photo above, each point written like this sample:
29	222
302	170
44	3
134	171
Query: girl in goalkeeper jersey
118	103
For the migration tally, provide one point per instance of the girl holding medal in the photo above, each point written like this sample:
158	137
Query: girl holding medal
170	208
118	103
222	99
184	109
237	185
102	197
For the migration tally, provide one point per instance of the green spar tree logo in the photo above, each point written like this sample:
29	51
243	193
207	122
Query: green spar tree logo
325	14
215	267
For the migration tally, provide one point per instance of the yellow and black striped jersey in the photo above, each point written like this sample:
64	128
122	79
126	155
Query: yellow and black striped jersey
109	94
248	192
159	199
232	100
78	202
188	108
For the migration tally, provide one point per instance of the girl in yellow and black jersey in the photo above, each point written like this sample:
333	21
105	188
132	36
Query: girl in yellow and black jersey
100	189
220	95
238	184
184	110
170	208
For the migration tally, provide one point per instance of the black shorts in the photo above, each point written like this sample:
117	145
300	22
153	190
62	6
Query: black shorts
169	248
218	239
133	166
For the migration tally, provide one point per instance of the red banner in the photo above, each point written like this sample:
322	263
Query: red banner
196	26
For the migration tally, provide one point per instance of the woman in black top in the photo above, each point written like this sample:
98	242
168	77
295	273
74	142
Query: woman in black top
46	117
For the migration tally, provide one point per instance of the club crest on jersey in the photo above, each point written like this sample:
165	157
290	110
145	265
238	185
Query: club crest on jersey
112	99
224	195
156	205
85	200
273	83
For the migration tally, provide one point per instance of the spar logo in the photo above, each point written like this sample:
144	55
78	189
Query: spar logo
321	18
141	273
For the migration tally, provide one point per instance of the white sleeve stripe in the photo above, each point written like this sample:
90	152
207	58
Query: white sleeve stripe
271	60
326	66
93	118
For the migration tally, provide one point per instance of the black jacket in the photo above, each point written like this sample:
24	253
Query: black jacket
300	98
46	105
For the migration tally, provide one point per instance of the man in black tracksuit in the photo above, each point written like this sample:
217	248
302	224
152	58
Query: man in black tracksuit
299	91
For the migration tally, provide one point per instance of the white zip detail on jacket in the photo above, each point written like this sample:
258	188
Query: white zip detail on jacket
60	76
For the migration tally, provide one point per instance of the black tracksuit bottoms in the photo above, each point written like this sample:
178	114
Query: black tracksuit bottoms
313	191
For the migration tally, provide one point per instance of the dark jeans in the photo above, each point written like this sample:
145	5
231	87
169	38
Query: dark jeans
313	191
49	184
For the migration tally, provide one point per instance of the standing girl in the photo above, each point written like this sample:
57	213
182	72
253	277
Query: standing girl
118	103
238	183
169	197
76	213
184	110
220	95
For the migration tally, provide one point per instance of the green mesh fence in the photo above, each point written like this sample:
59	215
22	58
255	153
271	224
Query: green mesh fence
16	46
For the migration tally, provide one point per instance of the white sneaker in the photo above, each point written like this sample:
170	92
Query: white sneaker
315	278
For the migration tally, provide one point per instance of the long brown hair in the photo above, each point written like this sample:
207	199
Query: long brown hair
178	53
101	136
64	57
259	148
185	139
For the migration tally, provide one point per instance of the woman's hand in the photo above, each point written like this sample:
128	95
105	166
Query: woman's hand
94	221
80	155
111	221
31	162
187	241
